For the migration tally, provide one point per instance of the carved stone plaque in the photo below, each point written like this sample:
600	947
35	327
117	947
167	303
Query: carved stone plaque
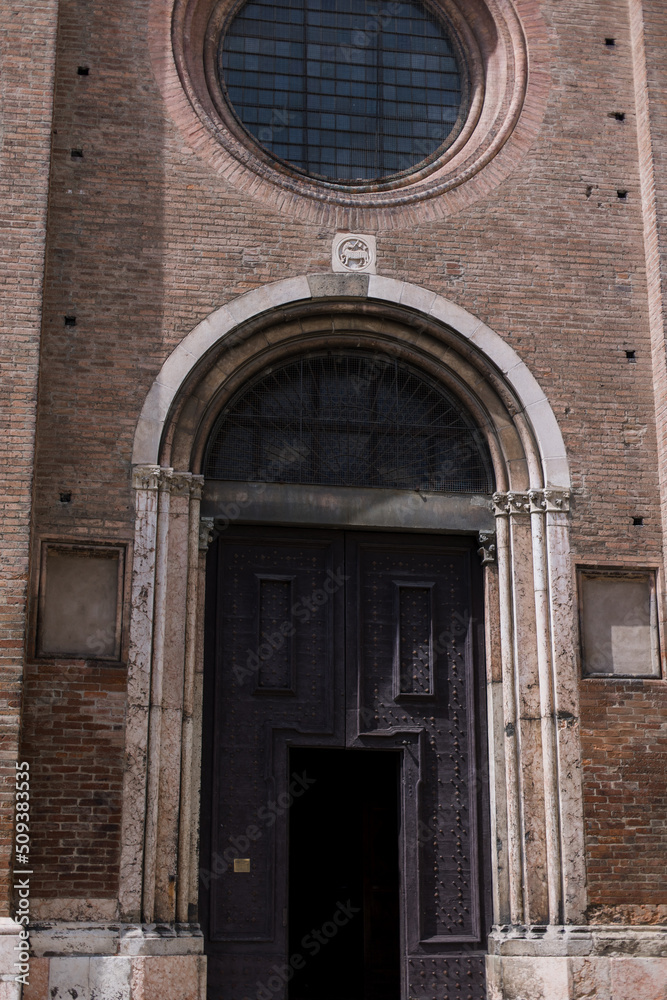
353	253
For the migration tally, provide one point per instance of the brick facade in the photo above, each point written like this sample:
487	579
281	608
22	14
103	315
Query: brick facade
75	740
144	241
27	52
624	747
565	257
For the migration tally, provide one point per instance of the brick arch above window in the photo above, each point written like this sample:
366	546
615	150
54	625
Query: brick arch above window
506	109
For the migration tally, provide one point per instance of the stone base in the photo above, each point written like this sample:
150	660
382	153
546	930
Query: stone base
9	941
98	961
578	963
102	977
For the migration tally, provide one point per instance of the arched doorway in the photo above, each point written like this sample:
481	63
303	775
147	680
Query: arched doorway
345	807
532	751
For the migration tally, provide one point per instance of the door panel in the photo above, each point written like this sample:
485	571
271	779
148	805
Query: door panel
413	637
278	674
326	639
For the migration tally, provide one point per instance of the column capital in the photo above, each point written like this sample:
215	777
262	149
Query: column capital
196	487
206	532
179	484
510	503
557	501
145	477
487	547
547	500
155	477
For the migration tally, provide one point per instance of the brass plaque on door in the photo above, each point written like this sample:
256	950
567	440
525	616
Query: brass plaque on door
241	864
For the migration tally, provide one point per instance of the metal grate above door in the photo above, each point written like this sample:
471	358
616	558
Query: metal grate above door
344	419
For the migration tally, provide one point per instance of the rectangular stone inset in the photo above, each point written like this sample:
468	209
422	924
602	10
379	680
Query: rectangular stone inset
80	601
275	634
414	642
619	623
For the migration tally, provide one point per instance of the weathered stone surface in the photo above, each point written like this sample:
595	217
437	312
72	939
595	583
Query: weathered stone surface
330	285
638	978
535	979
109	978
182	978
38	984
69	976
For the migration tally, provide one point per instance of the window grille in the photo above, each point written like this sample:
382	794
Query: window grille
342	419
345	90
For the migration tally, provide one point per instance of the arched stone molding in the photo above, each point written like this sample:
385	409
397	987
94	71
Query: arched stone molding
534	755
229	318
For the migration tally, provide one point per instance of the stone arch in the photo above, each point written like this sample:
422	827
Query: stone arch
534	758
464	334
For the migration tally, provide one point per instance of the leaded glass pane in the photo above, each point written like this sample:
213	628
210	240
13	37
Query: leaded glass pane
347	90
349	420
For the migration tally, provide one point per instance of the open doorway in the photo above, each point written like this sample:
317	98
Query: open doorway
363	648
344	876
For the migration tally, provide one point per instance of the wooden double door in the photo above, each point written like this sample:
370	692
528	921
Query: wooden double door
344	840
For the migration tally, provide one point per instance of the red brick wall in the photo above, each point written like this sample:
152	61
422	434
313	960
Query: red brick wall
145	240
27	47
650	21
624	723
624	744
73	738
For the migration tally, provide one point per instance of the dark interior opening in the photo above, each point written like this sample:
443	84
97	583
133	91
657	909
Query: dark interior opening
344	941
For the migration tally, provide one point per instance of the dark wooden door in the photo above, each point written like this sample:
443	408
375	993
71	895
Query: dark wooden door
415	682
365	641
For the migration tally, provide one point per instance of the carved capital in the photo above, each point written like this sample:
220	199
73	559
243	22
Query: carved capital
153	477
146	477
184	484
557	501
549	501
519	503
510	503
197	487
487	547
165	480
537	501
538	504
206	532
180	484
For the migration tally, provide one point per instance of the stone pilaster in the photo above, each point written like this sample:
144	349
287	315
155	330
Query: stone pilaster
534	576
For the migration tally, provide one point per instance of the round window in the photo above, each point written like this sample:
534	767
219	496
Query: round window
348	91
